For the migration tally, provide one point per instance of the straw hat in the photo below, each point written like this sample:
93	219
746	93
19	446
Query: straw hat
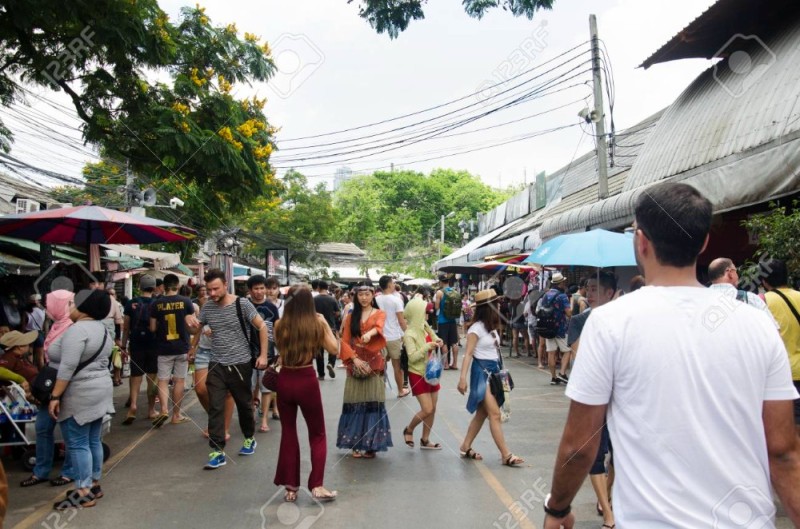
484	296
15	338
557	278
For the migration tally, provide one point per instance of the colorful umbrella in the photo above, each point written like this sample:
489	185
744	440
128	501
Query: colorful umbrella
598	248
84	225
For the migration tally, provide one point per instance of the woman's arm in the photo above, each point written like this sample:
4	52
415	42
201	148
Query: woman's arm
472	341
73	345
416	350
346	353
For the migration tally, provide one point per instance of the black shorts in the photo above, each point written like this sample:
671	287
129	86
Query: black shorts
144	361
797	403
448	332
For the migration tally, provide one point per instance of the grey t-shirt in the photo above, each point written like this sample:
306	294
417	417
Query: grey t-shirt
89	394
229	345
576	324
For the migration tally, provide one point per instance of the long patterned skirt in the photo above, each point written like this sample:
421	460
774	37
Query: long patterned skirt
364	424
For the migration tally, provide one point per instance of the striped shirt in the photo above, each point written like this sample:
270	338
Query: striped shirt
228	343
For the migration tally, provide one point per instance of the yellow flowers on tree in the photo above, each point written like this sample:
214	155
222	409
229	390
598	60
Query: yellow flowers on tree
188	128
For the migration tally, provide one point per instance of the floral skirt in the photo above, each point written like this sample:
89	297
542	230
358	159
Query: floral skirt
364	424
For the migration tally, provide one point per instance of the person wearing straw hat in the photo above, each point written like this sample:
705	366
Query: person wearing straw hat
482	358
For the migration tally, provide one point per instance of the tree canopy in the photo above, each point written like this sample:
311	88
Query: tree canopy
393	16
149	91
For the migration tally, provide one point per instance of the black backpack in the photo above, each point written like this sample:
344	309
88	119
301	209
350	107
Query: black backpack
140	321
546	322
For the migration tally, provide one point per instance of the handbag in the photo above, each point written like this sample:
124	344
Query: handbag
45	381
433	368
500	382
376	361
270	378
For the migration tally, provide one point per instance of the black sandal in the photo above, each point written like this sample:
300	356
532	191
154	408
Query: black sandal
75	501
31	481
425	444
471	454
406	435
513	461
60	481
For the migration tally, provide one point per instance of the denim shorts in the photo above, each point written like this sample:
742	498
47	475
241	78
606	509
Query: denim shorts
202	358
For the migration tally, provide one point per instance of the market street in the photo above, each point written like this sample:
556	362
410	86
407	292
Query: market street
155	478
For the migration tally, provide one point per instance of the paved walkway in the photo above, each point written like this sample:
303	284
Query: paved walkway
155	479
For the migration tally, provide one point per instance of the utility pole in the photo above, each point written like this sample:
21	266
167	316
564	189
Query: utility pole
599	124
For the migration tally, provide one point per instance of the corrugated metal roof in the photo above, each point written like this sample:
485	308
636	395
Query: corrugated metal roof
341	248
706	36
723	113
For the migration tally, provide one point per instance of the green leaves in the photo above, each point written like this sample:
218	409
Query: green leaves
393	16
777	232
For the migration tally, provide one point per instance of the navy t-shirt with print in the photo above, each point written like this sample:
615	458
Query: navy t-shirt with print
172	336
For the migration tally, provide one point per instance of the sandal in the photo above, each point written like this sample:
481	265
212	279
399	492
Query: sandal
322	495
599	509
425	444
31	481
471	454
612	526
263	429
406	435
512	461
290	496
75	501
129	420
61	481
369	454
159	421
357	454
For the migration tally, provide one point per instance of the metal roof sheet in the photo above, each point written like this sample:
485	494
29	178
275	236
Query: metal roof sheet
723	113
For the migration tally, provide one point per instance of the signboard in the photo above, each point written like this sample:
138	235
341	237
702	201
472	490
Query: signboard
278	264
541	191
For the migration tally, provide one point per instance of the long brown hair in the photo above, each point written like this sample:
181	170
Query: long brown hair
487	314
299	335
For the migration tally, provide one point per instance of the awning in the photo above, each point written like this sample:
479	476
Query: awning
464	254
10	264
59	252
160	260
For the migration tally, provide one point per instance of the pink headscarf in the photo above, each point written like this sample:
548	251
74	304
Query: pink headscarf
58	303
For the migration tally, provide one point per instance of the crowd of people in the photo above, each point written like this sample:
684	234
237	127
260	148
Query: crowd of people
680	378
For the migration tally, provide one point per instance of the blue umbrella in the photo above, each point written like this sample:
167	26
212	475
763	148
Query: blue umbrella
598	248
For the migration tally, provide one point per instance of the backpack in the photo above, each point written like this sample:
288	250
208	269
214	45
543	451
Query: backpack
140	321
546	322
741	295
451	303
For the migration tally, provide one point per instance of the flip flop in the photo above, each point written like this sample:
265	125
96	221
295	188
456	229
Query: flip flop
290	496
404	393
326	496
159	421
357	454
128	420
181	420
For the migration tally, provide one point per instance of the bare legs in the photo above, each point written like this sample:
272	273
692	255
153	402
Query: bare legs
136	386
488	409
425	415
177	397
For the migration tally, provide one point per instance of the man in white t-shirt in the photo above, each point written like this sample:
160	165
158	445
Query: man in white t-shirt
391	303
699	406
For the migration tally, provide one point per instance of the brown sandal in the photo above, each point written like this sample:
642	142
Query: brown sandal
406	435
513	461
471	454
290	496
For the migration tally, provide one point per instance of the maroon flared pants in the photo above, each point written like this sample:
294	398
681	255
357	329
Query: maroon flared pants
299	388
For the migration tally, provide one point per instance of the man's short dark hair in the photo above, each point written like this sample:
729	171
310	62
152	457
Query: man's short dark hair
159	282
676	219
315	284
271	282
718	267
171	282
384	282
322	285
214	273
256	280
773	271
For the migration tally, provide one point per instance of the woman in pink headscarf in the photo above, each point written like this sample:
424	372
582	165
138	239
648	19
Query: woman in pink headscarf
58	306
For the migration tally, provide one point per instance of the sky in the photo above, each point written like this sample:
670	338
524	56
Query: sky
336	73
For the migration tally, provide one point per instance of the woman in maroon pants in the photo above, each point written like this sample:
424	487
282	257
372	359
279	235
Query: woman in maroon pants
299	334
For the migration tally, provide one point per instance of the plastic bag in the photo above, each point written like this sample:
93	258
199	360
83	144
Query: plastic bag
433	369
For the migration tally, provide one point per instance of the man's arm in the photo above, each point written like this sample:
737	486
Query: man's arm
401	319
576	453
437	301
153	324
263	340
784	454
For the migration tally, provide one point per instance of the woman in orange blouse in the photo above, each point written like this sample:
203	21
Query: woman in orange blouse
364	426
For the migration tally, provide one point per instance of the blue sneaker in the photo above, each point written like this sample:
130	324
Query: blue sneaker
249	447
215	460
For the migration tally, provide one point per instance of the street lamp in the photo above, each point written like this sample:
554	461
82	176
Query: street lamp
446	217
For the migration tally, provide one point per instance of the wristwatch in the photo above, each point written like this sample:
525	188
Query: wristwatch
55	397
554	513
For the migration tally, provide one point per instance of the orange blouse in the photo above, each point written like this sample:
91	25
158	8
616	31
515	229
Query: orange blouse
376	343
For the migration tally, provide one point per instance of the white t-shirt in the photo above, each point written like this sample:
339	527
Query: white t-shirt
486	348
685	380
730	292
391	305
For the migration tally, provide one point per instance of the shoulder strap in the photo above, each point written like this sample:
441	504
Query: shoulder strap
741	295
89	361
791	307
499	354
241	317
